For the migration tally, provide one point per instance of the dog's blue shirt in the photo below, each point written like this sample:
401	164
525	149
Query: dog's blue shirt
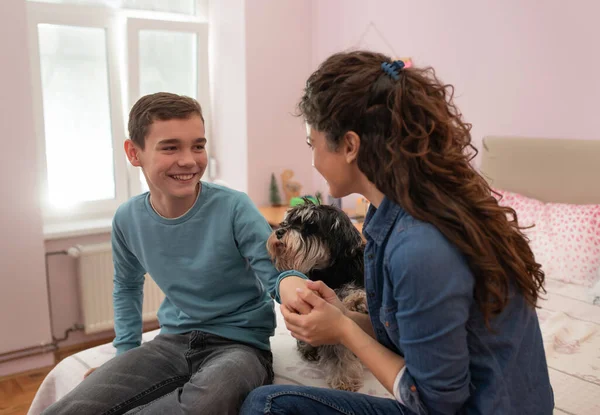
420	296
211	263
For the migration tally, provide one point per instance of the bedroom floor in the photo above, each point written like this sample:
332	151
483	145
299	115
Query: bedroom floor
17	391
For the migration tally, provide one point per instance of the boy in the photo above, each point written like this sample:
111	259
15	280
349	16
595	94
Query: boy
205	246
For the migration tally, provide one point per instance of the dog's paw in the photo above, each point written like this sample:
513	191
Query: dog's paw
310	356
350	385
308	352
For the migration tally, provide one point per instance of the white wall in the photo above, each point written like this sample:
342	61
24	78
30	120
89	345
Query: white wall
228	90
24	319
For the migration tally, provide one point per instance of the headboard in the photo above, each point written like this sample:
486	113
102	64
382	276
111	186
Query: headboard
550	170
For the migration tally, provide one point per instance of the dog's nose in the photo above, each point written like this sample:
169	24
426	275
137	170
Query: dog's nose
279	233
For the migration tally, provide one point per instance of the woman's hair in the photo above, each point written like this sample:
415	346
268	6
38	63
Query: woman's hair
416	149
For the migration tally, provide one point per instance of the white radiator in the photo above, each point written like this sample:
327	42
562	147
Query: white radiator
95	273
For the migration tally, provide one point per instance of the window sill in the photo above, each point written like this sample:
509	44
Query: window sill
77	228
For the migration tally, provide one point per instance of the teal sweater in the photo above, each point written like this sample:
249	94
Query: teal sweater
211	263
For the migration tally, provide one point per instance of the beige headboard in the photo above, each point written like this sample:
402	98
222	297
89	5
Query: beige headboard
551	170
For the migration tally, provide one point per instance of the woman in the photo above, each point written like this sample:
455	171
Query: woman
451	282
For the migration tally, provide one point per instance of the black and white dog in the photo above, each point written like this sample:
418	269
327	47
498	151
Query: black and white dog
321	242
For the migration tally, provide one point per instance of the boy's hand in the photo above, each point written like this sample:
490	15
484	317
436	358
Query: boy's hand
289	295
89	372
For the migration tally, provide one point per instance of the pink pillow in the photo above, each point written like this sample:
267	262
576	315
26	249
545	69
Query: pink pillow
528	210
574	233
565	239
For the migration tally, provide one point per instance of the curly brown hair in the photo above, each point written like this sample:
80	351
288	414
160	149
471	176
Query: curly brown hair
161	106
416	149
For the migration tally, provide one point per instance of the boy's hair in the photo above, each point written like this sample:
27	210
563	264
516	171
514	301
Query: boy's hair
159	106
416	149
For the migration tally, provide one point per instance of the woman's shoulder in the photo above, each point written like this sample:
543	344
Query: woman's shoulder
409	232
413	242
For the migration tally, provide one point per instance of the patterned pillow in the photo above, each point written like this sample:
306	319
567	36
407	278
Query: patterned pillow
574	245
530	214
528	210
565	239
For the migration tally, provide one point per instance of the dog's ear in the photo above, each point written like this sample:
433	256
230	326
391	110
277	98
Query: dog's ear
310	228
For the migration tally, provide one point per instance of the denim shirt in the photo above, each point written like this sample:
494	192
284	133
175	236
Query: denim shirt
421	303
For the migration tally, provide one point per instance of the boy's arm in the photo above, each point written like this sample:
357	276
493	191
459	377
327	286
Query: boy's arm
128	294
251	231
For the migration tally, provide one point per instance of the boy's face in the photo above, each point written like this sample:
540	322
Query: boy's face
174	158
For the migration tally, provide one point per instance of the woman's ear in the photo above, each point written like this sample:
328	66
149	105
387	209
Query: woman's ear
131	150
350	146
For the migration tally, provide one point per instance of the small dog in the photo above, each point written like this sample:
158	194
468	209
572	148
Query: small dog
321	242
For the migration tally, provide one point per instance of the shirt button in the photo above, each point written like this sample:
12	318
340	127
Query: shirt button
387	323
370	256
371	294
413	388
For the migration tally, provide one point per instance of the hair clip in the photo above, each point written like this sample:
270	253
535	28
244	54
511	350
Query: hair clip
393	69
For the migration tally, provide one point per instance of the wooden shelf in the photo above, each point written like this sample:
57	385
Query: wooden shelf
275	214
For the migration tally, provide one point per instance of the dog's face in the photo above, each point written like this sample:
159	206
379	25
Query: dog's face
313	237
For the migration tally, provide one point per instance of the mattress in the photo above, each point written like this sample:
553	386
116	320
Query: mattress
570	326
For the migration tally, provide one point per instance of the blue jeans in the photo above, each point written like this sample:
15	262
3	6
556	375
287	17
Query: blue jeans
175	374
307	400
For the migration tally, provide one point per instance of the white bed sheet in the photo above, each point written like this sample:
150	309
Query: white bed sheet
289	368
570	326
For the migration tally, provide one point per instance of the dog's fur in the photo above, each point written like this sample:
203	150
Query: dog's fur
321	242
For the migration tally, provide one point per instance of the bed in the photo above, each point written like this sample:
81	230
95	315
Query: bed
555	183
533	173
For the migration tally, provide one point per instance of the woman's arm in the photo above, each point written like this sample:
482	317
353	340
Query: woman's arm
381	361
326	324
432	300
363	321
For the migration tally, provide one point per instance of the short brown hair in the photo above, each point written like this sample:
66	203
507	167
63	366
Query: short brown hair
159	106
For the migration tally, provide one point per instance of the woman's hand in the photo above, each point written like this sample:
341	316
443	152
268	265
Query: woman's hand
326	294
325	324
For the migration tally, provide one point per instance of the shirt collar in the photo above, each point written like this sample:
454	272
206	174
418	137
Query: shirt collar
379	221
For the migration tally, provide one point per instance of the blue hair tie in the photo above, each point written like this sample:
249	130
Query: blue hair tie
393	69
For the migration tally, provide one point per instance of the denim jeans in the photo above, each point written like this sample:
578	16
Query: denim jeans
307	400
192	373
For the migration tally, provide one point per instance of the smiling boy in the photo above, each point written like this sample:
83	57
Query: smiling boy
205	247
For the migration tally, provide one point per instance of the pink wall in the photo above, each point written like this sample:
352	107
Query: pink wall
519	67
261	54
24	318
228	129
278	61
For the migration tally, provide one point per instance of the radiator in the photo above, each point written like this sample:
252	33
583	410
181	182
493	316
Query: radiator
95	274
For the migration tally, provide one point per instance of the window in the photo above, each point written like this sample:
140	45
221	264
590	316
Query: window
91	60
189	7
